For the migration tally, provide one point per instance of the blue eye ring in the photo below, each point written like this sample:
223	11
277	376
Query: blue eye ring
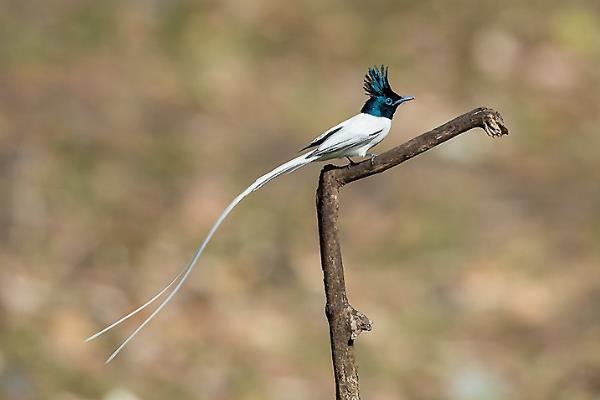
388	101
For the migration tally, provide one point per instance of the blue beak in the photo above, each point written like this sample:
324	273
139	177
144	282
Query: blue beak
403	99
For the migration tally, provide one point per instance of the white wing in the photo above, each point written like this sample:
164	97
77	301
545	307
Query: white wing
322	137
355	133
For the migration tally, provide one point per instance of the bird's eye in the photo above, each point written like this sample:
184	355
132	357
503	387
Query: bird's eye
388	101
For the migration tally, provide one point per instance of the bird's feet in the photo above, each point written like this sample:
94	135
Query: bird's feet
372	157
352	162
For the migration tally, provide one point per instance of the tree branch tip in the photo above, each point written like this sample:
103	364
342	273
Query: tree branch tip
493	123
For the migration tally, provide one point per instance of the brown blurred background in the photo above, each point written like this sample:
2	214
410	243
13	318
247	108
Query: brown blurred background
126	127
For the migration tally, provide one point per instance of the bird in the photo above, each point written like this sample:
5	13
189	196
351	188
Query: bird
353	137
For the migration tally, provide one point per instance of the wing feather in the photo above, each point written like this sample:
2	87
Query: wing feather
347	144
323	137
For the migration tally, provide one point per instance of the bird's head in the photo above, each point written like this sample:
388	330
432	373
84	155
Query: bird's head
383	101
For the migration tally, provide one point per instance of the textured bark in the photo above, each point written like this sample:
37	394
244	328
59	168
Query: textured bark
346	323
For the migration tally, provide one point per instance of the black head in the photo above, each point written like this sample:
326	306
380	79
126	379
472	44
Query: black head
383	100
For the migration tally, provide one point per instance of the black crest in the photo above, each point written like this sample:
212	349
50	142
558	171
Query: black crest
376	82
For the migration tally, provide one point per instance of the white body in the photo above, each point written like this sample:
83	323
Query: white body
351	138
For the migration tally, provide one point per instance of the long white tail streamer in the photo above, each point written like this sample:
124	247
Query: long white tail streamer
137	310
288	167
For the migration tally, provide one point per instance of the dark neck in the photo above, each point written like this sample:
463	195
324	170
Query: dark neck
377	107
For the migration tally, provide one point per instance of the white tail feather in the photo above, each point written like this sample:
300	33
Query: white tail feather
288	167
137	310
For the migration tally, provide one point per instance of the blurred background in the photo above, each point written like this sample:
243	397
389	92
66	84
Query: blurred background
126	127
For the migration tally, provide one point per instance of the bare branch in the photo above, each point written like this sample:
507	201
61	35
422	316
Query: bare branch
345	322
